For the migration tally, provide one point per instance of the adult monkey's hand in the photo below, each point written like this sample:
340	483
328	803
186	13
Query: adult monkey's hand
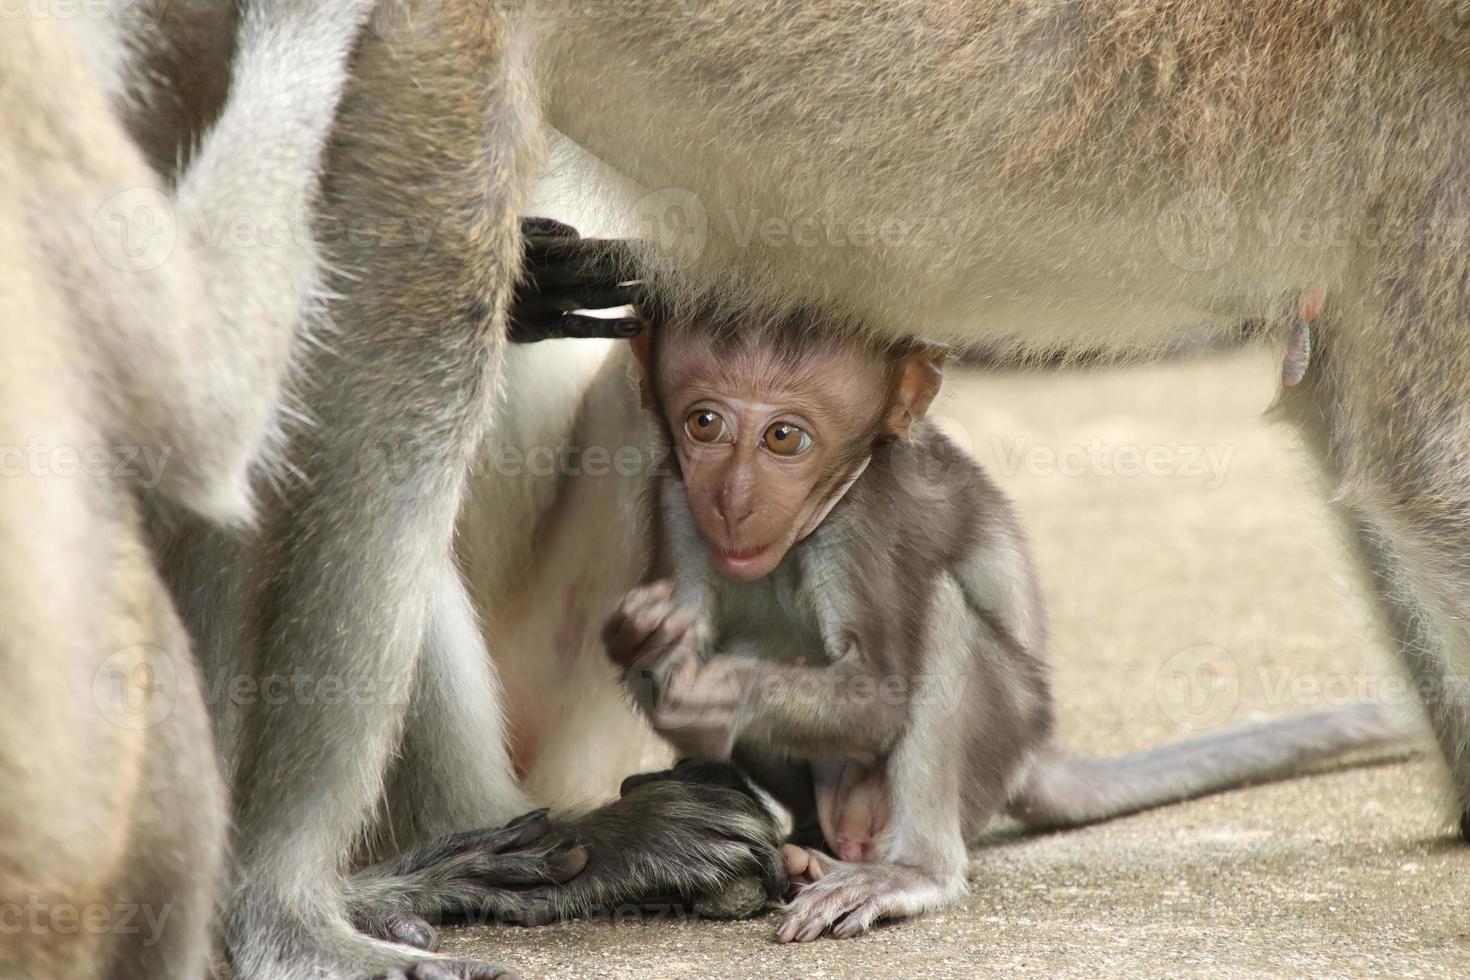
564	272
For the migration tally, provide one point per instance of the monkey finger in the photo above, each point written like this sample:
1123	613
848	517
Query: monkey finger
396	926
522	869
541	230
518	834
650	619
590	259
676	669
577	327
567	326
611	328
860	919
550	271
673	629
592	296
803	865
661	587
540	304
647	595
628	631
630	783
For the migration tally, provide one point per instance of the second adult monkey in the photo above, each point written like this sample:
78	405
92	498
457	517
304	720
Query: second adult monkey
842	604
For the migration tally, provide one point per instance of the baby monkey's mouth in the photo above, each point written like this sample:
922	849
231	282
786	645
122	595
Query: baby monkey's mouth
744	554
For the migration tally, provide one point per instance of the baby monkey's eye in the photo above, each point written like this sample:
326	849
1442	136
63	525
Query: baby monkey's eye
704	425
785	439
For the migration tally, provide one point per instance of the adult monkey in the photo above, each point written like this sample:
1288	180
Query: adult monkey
127	333
1050	174
338	634
1067	128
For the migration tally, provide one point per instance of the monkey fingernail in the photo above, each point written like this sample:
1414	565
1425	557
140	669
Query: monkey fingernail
526	830
570	864
533	815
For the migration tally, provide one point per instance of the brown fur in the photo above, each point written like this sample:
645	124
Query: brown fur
1097	174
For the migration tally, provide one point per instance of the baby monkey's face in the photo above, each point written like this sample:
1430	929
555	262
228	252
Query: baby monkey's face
764	447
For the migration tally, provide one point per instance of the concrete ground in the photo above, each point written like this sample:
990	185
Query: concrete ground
1194	579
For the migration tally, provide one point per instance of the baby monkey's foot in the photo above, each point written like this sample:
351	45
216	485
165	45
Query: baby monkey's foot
845	900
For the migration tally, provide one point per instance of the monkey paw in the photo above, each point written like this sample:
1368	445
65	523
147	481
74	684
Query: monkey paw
479	876
845	900
672	841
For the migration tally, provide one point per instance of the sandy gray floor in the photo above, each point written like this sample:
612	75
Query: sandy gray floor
1230	560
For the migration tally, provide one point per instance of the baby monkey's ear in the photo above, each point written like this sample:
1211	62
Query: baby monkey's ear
920	372
642	344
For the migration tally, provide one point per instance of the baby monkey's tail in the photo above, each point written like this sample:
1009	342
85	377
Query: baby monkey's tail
1063	790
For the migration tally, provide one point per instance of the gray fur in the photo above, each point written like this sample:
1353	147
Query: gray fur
1089	174
934	586
358	806
108	346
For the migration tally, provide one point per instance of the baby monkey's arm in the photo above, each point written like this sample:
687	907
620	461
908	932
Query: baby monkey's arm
704	703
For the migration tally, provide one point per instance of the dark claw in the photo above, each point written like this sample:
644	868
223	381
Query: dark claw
1465	825
517	835
479	876
397	926
541	230
411	930
537	868
562	273
670	839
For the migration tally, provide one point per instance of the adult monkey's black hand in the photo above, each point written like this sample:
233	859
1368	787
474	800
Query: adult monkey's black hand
563	272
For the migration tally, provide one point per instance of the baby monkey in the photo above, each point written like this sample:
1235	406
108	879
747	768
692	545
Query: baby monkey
843	605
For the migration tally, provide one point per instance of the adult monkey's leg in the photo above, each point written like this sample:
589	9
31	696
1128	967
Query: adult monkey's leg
423	182
1394	434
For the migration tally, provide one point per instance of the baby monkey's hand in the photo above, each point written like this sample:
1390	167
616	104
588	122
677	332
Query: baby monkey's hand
692	701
